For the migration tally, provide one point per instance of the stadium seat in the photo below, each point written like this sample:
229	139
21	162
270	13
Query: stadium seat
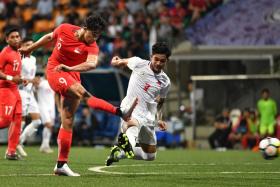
82	12
83	2
63	2
2	24
43	25
21	2
27	14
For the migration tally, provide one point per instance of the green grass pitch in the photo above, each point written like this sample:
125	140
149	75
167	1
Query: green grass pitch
172	168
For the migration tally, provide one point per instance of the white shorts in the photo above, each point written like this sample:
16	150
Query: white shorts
146	121
146	133
29	103
47	114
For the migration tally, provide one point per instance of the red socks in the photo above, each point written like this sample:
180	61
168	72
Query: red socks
64	141
14	133
100	104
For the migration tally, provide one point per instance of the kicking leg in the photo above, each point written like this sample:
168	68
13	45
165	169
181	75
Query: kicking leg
100	104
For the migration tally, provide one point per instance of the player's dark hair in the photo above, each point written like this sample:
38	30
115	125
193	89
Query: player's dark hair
95	22
27	40
265	90
11	29
161	48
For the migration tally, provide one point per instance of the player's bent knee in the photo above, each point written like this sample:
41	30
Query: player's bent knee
36	122
149	148
151	156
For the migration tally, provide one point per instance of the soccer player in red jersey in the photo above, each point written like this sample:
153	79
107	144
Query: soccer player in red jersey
75	51
10	101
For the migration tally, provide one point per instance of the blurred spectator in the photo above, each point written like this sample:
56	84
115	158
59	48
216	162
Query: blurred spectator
2	10
114	27
238	130
195	103
72	17
60	16
219	138
173	136
197	8
10	7
278	126
267	109
251	138
127	19
130	21
134	6
44	9
84	127
177	15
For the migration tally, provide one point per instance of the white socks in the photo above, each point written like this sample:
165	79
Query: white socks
29	130
132	134
141	155
46	137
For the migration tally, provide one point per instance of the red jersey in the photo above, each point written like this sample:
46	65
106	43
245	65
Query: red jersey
68	49
10	64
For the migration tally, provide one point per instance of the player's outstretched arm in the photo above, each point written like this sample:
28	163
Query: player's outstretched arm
41	42
118	62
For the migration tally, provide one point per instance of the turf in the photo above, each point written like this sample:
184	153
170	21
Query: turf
172	168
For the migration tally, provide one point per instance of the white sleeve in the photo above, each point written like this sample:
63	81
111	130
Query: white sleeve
136	62
164	91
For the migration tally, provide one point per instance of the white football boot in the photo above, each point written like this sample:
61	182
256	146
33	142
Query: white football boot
46	150
65	171
21	150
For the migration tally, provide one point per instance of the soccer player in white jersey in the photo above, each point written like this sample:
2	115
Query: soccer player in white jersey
150	85
46	102
29	103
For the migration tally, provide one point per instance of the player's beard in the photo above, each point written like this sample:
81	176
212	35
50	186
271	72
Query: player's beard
15	46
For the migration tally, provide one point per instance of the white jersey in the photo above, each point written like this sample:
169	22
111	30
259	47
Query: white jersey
148	87
28	70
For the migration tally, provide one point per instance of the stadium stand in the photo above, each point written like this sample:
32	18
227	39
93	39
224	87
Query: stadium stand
254	20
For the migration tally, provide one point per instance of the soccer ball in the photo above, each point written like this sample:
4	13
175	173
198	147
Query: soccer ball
269	148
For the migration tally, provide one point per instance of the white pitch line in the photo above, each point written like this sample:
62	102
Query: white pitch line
100	169
26	175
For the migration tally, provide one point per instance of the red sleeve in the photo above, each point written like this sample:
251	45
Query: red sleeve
93	49
2	60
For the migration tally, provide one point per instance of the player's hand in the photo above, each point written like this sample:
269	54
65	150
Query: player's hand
17	79
36	81
162	125
62	67
25	82
25	51
116	61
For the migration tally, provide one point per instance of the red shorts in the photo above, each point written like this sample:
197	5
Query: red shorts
60	82
10	103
